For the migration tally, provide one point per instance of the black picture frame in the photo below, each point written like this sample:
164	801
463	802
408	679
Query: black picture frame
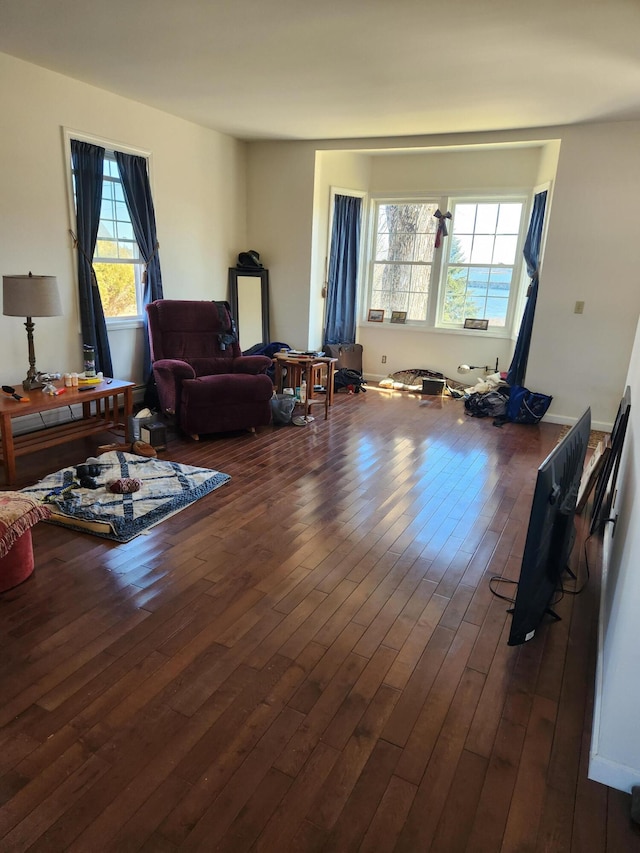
476	323
606	482
250	287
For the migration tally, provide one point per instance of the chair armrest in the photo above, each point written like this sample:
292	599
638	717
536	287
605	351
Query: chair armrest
169	374
253	364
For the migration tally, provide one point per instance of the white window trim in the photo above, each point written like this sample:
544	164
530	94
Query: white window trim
68	134
442	198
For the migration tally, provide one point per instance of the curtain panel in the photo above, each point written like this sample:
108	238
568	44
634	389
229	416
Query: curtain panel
340	325
87	163
531	252
137	192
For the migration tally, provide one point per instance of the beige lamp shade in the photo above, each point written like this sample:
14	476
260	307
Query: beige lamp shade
30	296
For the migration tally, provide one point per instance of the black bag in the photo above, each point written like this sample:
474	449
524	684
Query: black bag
492	404
349	379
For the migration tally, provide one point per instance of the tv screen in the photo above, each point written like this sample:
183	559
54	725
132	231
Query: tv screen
551	531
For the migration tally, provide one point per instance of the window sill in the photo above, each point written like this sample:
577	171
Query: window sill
115	325
502	334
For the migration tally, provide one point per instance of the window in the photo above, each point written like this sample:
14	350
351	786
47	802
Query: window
481	262
404	248
117	261
475	273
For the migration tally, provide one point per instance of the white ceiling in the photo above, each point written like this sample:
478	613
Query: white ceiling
296	69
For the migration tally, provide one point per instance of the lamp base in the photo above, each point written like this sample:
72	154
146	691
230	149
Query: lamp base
31	383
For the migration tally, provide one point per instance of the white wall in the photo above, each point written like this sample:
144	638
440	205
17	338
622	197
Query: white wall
615	747
199	187
280	178
591	256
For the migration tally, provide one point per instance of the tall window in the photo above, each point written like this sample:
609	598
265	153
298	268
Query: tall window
117	261
475	273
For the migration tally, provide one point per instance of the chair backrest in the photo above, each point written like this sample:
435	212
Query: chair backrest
191	329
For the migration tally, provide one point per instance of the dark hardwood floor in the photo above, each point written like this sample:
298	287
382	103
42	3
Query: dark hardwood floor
308	659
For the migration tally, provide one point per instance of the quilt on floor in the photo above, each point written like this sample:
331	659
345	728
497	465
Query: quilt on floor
167	487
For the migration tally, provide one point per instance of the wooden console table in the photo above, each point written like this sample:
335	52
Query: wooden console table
299	367
100	412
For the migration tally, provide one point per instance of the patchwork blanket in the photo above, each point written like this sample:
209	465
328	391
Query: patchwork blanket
166	488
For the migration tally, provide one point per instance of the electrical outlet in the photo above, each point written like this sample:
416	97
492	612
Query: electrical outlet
579	308
384	359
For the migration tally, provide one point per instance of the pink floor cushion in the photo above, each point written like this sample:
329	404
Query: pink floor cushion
18	564
18	514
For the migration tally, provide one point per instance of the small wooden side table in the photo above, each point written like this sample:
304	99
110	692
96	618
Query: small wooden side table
308	368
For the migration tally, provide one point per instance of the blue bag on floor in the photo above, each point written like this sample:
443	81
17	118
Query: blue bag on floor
526	407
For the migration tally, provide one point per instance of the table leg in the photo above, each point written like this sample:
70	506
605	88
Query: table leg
331	370
8	454
128	411
278	376
308	378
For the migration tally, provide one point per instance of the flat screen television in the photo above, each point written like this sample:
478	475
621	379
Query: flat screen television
551	532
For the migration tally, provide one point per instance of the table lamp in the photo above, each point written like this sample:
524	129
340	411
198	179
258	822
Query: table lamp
30	296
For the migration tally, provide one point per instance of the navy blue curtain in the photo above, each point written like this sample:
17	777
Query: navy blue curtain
518	367
87	163
340	324
137	194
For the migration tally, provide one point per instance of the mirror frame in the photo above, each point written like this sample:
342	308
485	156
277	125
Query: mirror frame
241	272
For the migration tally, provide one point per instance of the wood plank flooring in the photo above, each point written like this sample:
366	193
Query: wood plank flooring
308	659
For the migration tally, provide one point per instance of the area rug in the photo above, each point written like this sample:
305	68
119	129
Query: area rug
166	488
595	436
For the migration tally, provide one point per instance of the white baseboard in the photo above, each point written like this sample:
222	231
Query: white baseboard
601	426
612	774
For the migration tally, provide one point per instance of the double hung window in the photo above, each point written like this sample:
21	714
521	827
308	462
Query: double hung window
116	261
474	273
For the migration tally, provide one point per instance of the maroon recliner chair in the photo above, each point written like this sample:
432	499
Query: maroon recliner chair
201	375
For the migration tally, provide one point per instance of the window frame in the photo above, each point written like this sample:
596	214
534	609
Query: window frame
375	201
444	200
518	264
110	146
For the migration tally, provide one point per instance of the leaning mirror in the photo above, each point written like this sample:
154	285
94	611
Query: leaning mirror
249	298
